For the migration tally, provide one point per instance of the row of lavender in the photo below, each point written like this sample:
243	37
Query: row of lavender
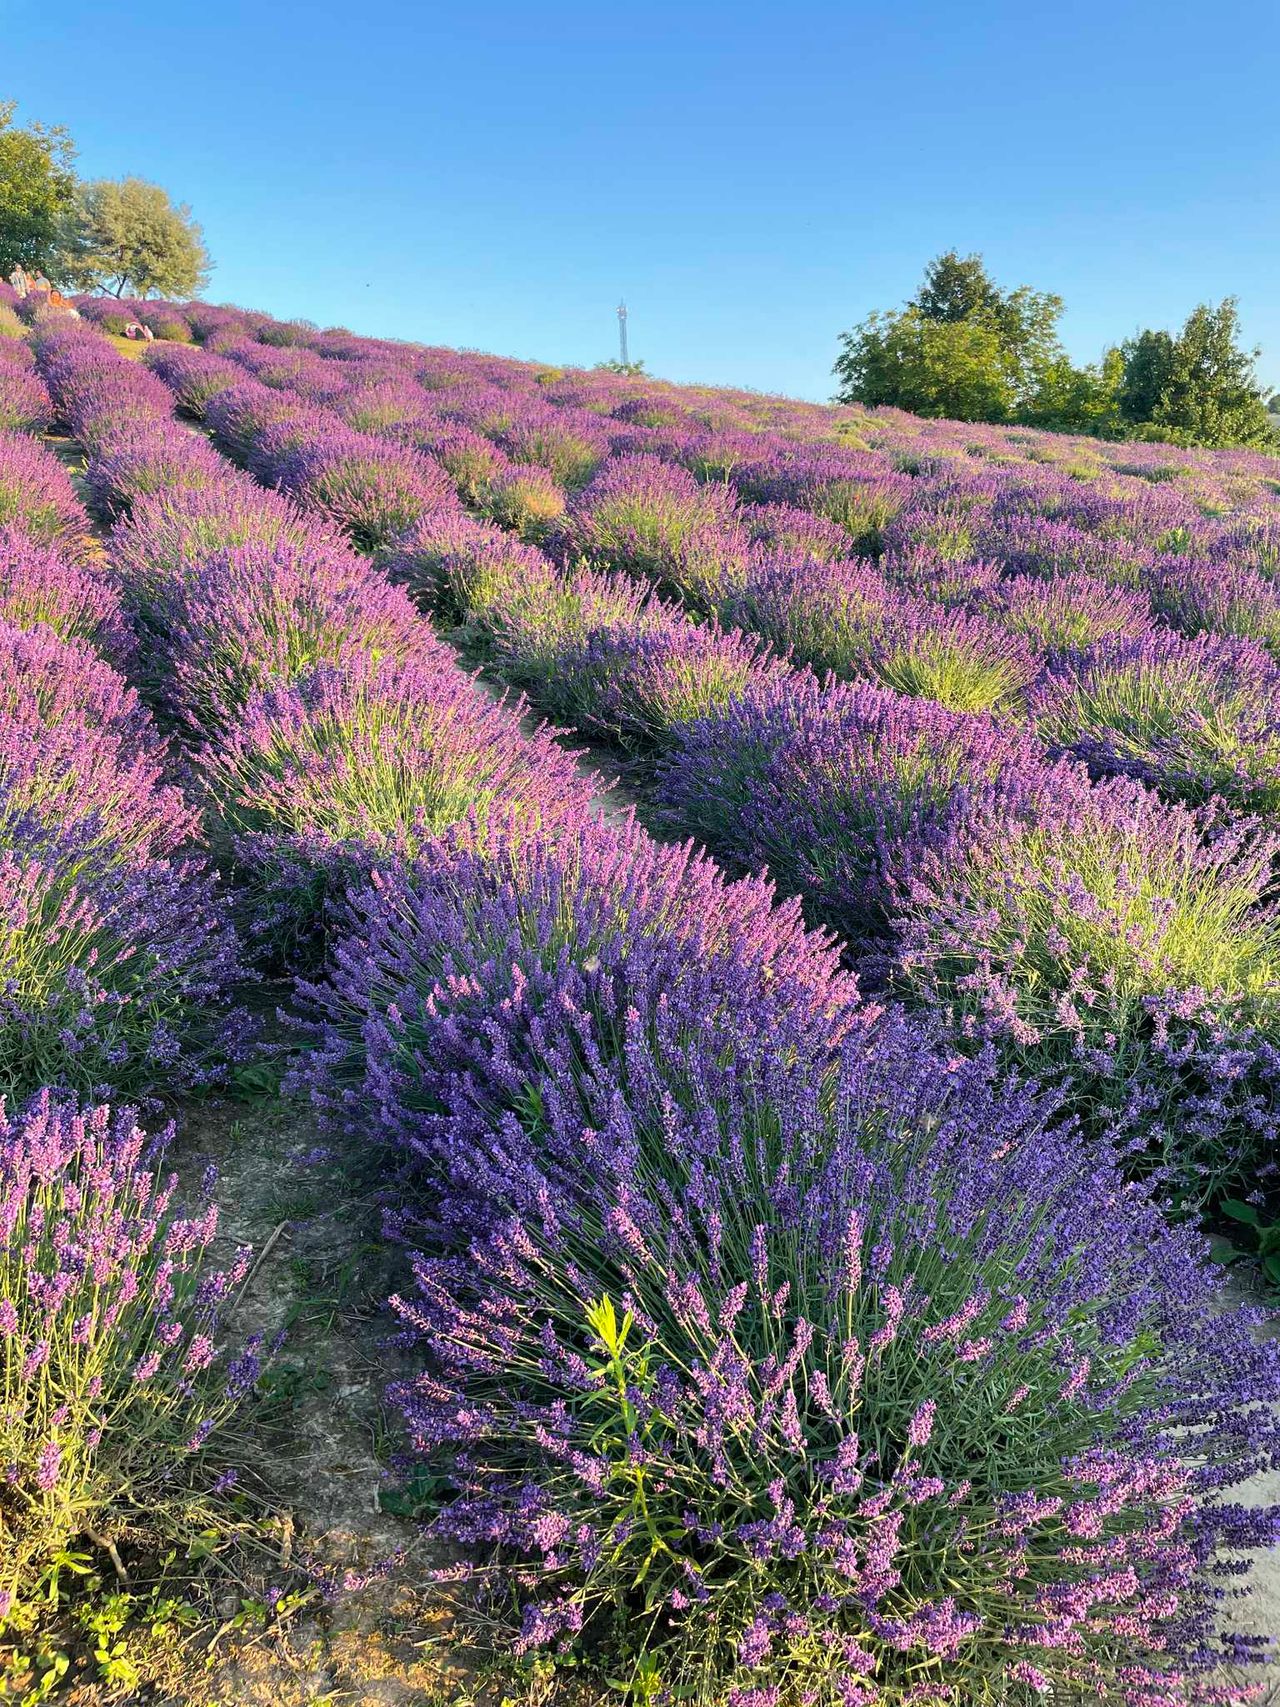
1122	945
118	957
793	1351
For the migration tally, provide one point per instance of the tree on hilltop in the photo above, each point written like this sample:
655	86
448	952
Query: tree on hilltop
962	347
1198	388
129	239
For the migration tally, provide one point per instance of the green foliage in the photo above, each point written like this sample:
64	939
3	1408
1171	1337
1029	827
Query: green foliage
970	351
1071	399
1148	365
36	189
963	348
1198	388
957	288
128	238
952	368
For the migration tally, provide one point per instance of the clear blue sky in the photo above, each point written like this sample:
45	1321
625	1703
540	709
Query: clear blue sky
752	178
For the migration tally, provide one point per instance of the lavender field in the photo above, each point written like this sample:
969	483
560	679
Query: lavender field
757	923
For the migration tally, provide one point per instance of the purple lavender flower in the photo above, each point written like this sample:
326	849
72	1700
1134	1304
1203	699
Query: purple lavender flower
1192	718
98	1273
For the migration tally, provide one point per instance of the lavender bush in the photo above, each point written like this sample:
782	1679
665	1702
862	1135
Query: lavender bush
497	952
836	789
528	501
114	1393
368	489
42	585
467	571
1068	613
865	1389
1127	949
842	616
1193	718
356	764
640	515
118	970
257	615
25	406
36	493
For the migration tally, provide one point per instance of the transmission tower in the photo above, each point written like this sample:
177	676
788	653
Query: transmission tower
622	333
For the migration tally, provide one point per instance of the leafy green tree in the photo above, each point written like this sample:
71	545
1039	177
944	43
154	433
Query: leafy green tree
1148	367
954	368
1072	399
963	347
36	189
128	238
1212	396
957	288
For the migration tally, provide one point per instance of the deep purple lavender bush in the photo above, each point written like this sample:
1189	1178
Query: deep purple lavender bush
115	1396
1069	613
118	971
760	1382
356	764
109	315
36	493
97	392
64	758
1027	544
497	953
259	615
919	570
1254	542
16	354
946	530
1127	949
42	585
1213	596
1190	717
798	534
285	435
836	789
285	334
390	408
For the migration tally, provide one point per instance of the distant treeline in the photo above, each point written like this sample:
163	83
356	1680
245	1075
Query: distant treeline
966	349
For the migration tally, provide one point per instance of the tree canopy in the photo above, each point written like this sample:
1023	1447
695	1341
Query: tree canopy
37	186
130	239
963	347
1198	388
